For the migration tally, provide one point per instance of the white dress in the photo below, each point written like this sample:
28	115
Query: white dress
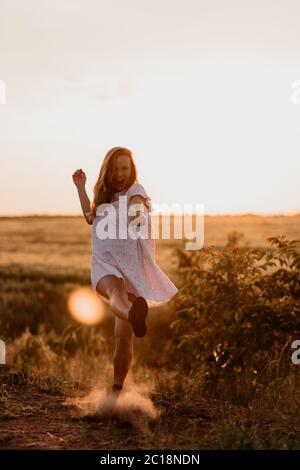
129	258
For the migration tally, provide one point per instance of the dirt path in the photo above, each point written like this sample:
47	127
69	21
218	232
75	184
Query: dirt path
32	419
40	420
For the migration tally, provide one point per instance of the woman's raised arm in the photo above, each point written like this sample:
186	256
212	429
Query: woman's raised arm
79	179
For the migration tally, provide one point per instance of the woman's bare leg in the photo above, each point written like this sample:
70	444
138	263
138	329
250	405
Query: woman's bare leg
120	302
124	347
114	289
123	350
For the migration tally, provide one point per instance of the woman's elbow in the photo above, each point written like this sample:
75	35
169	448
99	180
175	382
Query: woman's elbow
89	220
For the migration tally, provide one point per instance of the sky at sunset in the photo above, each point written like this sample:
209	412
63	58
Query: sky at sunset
200	91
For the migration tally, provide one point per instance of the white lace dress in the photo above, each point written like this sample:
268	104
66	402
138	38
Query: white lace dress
131	258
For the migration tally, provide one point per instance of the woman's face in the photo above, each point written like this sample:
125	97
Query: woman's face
121	173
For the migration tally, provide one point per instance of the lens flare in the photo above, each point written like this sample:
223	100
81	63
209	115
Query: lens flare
85	307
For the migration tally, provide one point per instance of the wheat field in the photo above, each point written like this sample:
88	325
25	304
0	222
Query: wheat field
57	366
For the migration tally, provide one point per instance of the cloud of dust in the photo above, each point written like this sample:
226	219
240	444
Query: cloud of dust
132	404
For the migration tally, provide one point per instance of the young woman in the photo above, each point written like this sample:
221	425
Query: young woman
124	272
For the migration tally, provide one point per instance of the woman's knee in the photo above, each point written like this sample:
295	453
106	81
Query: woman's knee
123	332
109	285
124	346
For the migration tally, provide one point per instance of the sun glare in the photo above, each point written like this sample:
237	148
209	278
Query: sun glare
85	307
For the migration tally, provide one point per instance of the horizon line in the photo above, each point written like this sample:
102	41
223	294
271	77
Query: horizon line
157	214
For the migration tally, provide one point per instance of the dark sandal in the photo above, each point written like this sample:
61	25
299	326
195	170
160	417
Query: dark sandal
137	316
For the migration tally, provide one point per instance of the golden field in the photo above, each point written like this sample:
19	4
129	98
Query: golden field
58	366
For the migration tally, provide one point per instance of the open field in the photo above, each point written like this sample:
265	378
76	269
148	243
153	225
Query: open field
54	364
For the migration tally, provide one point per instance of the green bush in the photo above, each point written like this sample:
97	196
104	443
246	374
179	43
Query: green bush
237	314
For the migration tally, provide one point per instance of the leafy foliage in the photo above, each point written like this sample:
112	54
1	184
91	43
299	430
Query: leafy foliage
237	314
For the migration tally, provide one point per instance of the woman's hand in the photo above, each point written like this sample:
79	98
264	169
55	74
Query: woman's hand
79	178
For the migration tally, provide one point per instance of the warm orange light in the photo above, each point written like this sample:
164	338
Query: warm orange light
85	306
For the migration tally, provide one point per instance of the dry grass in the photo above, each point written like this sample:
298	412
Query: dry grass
41	261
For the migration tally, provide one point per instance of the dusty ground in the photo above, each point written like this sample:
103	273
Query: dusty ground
33	419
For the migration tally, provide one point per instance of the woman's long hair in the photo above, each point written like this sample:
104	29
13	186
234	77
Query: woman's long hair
104	187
